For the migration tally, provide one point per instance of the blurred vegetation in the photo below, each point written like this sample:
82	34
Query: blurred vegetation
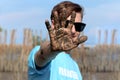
0	29
91	59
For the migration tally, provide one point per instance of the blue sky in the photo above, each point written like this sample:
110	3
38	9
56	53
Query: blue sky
99	14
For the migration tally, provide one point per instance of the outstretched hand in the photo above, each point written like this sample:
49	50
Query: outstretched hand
60	36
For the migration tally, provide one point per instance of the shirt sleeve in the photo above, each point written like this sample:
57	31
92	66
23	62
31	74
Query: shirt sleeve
31	63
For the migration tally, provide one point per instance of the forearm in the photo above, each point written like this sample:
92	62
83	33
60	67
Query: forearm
45	54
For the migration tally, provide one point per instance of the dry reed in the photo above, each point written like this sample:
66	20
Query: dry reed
13	57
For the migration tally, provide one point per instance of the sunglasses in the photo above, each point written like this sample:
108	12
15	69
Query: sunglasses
78	25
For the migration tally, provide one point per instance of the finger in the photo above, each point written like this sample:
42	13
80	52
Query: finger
48	26
82	39
73	15
72	20
56	20
63	17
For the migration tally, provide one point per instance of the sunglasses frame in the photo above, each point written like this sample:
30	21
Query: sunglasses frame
79	26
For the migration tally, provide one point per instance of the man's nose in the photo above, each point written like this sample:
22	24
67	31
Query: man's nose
73	29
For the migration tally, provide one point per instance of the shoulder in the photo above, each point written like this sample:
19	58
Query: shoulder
32	54
34	50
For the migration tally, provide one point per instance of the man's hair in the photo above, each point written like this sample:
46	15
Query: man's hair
69	6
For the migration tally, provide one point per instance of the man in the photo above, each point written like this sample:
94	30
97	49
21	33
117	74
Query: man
51	60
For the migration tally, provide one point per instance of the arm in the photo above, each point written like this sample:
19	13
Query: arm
45	54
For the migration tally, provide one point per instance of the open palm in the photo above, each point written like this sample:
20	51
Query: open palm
60	36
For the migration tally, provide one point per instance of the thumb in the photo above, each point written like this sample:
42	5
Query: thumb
82	39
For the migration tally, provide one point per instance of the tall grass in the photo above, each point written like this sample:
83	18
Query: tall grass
13	57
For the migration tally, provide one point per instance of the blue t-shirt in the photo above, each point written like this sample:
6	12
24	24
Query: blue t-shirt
62	67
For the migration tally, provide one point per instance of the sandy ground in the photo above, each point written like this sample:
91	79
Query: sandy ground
13	76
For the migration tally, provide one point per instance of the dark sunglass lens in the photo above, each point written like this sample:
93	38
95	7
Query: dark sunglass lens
79	26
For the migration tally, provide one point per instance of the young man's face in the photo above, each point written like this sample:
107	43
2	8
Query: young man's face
75	34
78	19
